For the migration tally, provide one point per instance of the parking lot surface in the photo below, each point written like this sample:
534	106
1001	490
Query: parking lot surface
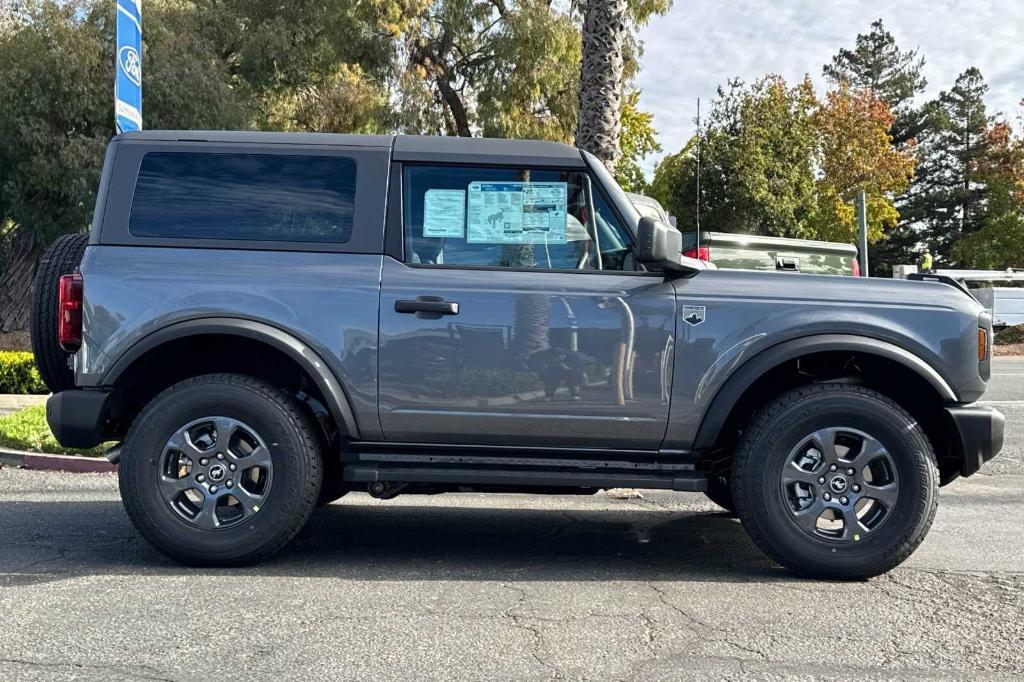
510	587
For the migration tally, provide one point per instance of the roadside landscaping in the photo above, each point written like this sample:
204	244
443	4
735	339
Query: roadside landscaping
27	430
18	374
1009	341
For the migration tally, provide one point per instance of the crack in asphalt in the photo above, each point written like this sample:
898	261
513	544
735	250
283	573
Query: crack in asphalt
536	638
728	641
133	674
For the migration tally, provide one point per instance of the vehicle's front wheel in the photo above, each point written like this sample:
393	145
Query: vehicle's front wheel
220	470
835	480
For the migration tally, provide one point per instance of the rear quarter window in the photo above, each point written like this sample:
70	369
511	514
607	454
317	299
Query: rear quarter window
244	196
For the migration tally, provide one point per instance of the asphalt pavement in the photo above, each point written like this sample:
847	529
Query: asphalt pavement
510	588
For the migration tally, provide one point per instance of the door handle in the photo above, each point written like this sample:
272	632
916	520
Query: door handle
787	263
430	307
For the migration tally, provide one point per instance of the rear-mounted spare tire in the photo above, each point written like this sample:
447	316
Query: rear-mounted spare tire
62	258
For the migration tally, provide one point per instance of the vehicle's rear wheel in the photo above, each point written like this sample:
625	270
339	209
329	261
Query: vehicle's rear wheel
220	470
835	480
720	492
62	258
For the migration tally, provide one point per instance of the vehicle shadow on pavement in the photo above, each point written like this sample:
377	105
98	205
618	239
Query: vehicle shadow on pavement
44	541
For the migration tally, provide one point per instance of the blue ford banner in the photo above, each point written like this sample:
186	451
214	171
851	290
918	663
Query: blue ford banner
128	79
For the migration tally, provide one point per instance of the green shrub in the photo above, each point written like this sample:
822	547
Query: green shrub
27	430
1010	335
18	374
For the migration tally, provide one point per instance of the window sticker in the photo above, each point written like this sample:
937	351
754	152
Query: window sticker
517	213
444	213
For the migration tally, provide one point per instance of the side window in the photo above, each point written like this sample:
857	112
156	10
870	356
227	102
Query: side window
255	197
510	217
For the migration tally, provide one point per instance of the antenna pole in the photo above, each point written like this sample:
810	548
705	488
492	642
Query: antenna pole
697	206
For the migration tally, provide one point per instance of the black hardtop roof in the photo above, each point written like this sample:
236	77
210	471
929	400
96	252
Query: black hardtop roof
435	148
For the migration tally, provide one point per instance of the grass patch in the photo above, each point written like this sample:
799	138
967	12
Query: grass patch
27	430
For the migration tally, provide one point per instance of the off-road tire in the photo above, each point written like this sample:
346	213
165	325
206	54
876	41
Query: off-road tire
296	459
765	447
720	492
62	258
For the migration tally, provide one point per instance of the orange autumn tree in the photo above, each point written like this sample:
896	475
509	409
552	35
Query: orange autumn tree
856	151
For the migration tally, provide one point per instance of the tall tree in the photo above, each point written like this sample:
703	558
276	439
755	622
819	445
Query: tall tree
948	200
601	79
1000	241
876	62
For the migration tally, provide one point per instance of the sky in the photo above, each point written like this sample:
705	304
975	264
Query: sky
700	44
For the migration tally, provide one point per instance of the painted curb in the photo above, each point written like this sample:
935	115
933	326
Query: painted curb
66	463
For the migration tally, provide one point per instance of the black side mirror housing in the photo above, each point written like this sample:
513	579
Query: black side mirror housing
660	246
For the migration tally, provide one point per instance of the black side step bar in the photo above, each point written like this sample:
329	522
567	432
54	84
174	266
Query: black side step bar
682	481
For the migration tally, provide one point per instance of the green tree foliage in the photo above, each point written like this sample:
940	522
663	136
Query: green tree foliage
757	163
878	64
948	199
637	140
775	160
999	243
500	68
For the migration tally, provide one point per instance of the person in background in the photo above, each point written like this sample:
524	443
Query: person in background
924	264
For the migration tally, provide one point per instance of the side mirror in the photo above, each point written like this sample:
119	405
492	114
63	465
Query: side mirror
660	246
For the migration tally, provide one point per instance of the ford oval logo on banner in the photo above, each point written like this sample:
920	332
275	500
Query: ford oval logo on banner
128	79
131	64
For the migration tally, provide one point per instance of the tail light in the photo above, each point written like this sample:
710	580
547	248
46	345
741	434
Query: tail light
699	252
855	267
69	324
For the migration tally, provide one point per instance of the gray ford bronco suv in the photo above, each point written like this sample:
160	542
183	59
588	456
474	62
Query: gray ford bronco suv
264	322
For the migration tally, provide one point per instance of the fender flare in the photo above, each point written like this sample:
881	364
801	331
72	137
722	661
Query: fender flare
314	365
743	378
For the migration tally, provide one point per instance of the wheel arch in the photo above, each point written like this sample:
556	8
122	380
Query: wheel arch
737	386
336	399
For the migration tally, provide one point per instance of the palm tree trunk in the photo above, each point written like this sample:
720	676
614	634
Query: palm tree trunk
601	69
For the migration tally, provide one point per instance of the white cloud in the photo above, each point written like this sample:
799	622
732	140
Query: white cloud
702	43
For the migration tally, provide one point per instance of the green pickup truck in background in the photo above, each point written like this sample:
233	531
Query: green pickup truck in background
733	251
754	252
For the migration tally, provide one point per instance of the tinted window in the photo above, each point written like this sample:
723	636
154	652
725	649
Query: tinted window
256	197
510	217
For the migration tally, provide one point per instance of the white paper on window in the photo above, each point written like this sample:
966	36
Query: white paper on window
444	213
517	213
